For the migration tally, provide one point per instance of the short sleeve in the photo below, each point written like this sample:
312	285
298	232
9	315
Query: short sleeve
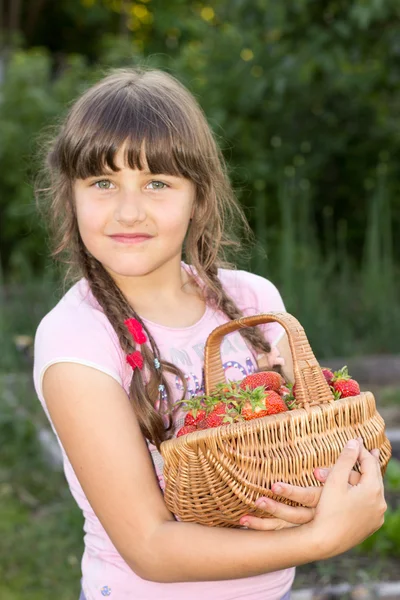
271	301
254	295
77	334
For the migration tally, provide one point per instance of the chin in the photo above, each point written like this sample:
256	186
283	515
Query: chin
134	267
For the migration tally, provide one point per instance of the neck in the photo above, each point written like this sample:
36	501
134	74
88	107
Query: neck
165	284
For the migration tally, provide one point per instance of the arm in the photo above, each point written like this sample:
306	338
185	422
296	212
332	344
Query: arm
102	439
101	436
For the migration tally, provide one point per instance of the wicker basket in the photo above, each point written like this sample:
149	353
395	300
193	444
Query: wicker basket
214	476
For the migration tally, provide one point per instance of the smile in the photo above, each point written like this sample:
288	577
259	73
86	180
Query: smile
133	238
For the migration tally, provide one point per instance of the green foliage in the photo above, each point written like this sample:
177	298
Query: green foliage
386	541
303	98
392	476
36	509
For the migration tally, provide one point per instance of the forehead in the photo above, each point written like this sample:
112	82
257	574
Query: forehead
121	159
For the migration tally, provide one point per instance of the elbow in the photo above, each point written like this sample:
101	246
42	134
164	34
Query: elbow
153	561
154	571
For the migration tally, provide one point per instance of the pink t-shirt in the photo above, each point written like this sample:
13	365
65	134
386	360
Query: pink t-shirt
77	331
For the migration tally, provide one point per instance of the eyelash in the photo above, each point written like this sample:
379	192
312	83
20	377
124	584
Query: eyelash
153	181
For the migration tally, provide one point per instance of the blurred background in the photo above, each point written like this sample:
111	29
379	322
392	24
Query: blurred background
304	98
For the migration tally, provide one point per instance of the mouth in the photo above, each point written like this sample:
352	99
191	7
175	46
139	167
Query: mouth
130	238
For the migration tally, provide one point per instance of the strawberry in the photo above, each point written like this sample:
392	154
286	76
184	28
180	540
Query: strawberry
328	374
201	425
220	408
192	418
218	416
186	429
343	385
270	380
262	403
346	387
214	420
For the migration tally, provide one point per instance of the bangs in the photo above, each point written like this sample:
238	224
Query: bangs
146	125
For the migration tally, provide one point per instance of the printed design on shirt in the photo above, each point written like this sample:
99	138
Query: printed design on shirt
106	591
231	346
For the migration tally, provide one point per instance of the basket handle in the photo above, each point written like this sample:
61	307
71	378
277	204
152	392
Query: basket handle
310	381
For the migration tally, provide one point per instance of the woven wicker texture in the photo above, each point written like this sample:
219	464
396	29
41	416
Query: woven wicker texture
214	476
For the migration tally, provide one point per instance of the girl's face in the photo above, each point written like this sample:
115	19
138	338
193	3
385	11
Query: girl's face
131	221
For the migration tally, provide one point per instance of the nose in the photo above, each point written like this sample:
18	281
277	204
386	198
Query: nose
130	208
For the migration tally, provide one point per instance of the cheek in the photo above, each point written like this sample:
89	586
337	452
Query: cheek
91	218
175	217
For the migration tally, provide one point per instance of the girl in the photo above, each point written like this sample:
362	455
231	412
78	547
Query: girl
140	204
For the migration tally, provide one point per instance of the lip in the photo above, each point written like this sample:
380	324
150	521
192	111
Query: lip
131	238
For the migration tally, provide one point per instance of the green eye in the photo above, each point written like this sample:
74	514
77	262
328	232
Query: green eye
159	185
104	184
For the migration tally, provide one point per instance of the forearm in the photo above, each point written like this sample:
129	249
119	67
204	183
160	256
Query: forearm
189	552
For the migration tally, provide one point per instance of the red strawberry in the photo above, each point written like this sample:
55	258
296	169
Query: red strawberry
201	424
346	387
284	391
186	429
218	416
214	420
193	417
270	380
220	408
343	385
328	374
262	403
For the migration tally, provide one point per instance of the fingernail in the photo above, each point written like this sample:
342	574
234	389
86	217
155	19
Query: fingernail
353	444
262	505
277	488
244	523
323	472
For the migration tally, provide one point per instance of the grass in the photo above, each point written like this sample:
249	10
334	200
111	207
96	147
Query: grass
40	524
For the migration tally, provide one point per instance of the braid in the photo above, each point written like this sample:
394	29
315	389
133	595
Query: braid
143	396
252	334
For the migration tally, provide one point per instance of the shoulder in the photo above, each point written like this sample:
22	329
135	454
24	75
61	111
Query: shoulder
73	317
77	330
253	295
250	289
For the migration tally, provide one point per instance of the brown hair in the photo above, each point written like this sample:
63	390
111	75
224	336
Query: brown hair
131	107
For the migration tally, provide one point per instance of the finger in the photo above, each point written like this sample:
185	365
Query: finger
322	475
354	478
369	467
376	453
340	473
293	514
259	524
308	496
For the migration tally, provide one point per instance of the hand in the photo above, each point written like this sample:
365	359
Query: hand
267	362
346	515
293	516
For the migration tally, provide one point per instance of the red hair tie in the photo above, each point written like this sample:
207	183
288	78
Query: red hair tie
136	330
135	359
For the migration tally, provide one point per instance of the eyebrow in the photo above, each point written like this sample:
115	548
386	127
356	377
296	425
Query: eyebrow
110	172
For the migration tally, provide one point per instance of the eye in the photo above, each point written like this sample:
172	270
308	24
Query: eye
103	184
158	185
